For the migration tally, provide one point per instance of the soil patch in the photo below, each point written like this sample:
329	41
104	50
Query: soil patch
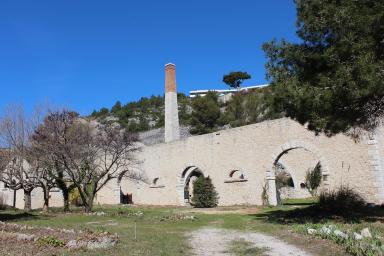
217	242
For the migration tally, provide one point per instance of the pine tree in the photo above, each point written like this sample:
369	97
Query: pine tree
333	78
235	111
205	114
234	79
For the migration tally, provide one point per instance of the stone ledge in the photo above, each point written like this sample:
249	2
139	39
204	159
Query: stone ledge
159	186
234	181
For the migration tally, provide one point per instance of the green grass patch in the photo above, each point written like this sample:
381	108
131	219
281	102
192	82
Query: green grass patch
50	241
165	230
242	247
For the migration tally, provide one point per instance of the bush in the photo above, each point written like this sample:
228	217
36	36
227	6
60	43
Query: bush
342	200
313	179
264	194
50	241
74	197
204	193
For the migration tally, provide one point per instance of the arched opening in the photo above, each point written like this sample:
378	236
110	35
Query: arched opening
189	175
125	193
287	177
236	174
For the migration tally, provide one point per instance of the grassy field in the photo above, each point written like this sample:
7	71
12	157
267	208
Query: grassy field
164	230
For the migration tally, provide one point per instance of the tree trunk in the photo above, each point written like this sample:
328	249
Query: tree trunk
65	199
88	205
14	198
27	200
65	191
46	199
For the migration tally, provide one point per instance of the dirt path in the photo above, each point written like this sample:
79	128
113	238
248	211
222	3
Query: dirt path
216	242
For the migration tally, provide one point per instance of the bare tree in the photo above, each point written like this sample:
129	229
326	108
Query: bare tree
17	172
89	154
44	167
50	139
98	154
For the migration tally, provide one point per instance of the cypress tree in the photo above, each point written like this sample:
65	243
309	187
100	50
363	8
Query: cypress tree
204	193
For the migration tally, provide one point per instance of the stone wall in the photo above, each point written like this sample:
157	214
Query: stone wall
253	149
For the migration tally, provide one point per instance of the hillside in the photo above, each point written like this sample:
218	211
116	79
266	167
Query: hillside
143	115
198	115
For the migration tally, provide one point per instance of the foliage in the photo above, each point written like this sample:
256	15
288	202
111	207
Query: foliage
367	246
202	114
171	241
264	194
204	193
342	200
333	79
74	197
50	241
206	114
234	79
250	107
313	179
144	114
242	247
235	112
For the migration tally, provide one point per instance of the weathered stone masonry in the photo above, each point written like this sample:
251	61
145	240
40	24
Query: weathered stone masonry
252	150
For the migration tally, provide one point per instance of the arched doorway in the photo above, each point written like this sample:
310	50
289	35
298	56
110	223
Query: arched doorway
189	175
292	162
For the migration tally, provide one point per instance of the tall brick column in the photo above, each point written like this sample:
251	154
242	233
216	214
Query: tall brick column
172	130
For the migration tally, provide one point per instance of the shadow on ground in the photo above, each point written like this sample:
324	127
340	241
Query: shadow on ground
12	216
298	214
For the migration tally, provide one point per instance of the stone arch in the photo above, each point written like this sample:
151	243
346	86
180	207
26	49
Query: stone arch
236	174
284	149
185	178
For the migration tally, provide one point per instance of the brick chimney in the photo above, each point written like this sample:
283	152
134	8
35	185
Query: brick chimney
172	131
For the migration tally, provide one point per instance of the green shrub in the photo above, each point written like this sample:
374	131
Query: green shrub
342	200
264	194
364	247
74	197
313	179
50	241
204	193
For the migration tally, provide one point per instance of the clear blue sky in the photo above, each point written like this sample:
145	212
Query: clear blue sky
88	54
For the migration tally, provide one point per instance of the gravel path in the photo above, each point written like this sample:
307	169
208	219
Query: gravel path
215	242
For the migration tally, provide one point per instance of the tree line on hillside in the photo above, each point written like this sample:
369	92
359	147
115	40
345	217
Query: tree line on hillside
63	151
144	114
203	114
